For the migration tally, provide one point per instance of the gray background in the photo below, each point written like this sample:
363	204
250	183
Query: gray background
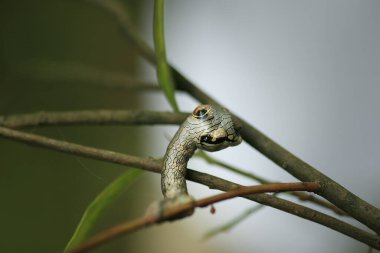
304	72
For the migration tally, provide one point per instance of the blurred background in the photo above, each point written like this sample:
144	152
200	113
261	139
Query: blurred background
306	73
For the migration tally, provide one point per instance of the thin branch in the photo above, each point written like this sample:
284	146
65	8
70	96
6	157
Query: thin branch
331	190
318	201
115	231
247	190
212	182
117	117
149	164
167	214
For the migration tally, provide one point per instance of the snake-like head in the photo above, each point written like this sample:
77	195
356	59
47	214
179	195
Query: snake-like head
215	129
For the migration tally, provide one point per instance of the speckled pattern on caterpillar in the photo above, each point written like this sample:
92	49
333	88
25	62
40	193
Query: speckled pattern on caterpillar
209	128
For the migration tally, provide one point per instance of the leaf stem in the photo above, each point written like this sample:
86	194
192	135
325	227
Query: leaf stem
163	70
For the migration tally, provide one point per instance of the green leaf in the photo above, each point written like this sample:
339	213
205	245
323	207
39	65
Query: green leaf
98	206
164	74
232	223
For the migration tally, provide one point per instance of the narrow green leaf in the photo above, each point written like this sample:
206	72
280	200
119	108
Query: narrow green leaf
211	160
164	74
232	223
98	206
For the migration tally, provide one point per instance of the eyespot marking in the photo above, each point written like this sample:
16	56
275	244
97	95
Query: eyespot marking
201	111
212	140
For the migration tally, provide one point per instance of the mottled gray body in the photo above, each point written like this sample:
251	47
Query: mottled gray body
210	128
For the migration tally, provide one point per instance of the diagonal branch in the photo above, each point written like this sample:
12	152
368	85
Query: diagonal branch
212	182
331	190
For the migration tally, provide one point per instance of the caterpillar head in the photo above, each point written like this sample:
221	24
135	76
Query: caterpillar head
214	128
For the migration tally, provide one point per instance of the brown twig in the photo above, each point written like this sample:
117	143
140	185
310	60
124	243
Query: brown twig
212	182
151	219
246	190
310	198
114	232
